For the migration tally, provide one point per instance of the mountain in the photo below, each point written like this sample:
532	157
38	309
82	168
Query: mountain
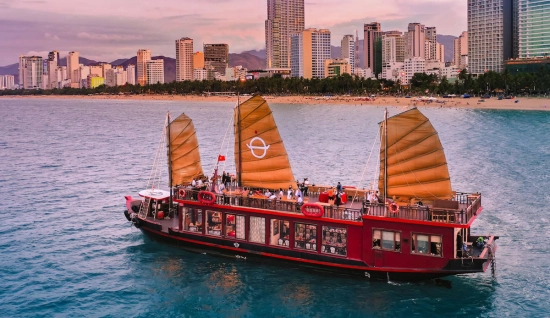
12	69
448	41
246	60
258	53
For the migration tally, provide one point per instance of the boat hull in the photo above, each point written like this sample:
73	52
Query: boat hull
310	261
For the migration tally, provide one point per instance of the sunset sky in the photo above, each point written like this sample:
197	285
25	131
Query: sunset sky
106	30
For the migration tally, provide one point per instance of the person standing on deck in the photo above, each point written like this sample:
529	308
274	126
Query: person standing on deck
306	187
281	194
331	196
289	193
339	187
298	193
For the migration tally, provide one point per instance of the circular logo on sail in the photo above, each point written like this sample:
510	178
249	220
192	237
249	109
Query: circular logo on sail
253	148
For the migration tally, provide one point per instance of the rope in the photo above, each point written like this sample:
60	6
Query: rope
365	169
156	173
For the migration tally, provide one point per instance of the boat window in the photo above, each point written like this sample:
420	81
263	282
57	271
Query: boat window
386	240
192	220
305	236
213	223
257	230
334	240
235	226
280	233
426	244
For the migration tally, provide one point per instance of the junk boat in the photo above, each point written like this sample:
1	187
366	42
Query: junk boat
418	229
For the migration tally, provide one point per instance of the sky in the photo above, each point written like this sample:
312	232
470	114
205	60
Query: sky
106	30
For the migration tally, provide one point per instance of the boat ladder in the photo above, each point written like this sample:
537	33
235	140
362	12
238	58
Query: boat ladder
144	209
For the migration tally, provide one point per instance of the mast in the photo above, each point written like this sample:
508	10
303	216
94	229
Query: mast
239	168
169	157
385	154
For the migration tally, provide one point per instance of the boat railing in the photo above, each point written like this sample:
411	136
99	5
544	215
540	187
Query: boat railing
468	206
331	212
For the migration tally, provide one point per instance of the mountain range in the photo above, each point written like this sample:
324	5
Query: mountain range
252	60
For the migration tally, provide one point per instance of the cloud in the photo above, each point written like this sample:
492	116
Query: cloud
51	36
108	37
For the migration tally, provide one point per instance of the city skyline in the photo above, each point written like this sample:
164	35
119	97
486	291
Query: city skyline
35	28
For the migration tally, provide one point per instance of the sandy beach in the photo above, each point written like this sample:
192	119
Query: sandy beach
523	103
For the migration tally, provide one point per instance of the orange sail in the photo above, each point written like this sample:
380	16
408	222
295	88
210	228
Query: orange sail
183	151
258	145
416	167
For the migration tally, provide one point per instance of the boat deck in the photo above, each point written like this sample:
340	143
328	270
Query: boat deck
457	211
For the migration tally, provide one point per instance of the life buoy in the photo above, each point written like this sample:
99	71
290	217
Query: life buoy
181	193
313	210
394	208
206	197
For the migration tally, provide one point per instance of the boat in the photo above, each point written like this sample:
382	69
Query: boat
415	228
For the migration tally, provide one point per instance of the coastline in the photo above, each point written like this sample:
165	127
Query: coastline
541	104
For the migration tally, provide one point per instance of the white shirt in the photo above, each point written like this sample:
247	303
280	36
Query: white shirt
289	194
298	192
221	187
199	183
300	200
272	197
194	183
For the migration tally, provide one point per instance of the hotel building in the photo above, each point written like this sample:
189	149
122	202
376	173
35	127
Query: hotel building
284	18
460	54
184	59
155	71
415	39
141	63
72	66
533	29
131	74
490	34
30	72
372	32
309	50
216	56
348	51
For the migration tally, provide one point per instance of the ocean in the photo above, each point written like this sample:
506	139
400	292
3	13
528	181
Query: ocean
66	248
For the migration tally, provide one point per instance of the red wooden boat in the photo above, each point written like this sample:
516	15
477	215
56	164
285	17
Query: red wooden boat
419	229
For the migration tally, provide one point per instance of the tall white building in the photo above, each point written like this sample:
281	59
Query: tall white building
284	17
415	38
155	71
141	64
72	65
490	34
7	82
83	72
430	53
53	64
309	50
412	66
348	51
184	59
116	77
393	53
30	72
131	74
533	29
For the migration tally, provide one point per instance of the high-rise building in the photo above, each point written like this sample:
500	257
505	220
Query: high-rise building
143	56
30	72
7	82
284	18
198	60
412	66
184	59
490	34
72	65
372	32
357	57
415	38
83	72
53	64
440	53
431	43
116	76
309	50
216	56
155	71
131	74
460	50
533	29
337	67
393	53
348	51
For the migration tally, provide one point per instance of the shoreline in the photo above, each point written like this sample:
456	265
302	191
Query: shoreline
540	104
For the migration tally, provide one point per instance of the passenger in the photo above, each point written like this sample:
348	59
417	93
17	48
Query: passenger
267	193
331	195
299	199
289	193
193	183
306	187
298	193
338	199
281	194
339	187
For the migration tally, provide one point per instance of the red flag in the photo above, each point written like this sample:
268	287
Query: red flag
221	158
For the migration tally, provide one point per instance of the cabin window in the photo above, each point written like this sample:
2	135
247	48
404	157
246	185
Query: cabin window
305	236
280	233
335	240
257	230
193	220
386	240
426	244
213	223
235	226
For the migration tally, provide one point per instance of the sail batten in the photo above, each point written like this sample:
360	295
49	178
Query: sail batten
183	151
264	160
416	163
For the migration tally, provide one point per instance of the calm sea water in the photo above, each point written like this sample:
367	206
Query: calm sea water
67	250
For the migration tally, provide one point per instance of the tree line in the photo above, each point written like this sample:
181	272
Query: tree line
421	83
